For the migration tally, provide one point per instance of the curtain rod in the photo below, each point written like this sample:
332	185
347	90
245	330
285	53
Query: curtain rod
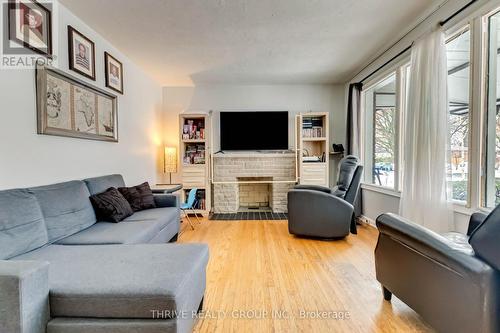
409	47
456	13
387	63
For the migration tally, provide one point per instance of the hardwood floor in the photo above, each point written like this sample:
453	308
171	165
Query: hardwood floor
258	269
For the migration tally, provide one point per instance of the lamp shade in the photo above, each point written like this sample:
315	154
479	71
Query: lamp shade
170	159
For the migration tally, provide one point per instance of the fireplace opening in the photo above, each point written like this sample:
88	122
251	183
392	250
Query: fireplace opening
255	194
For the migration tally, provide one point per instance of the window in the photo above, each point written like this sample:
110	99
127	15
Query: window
458	52
473	168
380	145
492	130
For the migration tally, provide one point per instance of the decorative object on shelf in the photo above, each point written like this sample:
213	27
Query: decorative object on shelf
311	159
170	161
114	73
81	52
30	25
69	107
338	148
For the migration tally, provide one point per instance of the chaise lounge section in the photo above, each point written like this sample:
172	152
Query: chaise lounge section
63	271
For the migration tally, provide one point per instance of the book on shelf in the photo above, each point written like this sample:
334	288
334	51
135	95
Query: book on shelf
200	199
312	127
313	132
194	154
192	130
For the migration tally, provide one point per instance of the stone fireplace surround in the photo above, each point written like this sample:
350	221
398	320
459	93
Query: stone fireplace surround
231	169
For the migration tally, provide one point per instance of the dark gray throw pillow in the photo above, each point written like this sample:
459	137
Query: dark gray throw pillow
140	197
111	206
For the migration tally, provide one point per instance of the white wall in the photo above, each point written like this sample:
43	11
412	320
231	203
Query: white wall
292	98
28	159
376	203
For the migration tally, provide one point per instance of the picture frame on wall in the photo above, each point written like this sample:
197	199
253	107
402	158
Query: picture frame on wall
81	52
114	73
30	25
67	106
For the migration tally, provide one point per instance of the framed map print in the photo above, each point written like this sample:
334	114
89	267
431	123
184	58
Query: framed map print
69	107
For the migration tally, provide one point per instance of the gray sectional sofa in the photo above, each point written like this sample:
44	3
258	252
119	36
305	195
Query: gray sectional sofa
63	271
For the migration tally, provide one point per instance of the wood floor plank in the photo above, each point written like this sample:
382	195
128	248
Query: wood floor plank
286	283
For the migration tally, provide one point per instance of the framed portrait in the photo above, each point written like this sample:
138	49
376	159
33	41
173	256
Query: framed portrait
114	73
81	52
30	25
69	107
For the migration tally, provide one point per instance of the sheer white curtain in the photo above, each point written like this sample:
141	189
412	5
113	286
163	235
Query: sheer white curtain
424	193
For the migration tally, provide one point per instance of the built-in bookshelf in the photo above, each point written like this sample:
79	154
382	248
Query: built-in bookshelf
195	158
313	146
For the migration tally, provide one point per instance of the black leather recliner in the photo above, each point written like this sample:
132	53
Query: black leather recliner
317	211
451	280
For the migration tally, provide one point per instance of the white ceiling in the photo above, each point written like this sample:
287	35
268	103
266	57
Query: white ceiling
186	42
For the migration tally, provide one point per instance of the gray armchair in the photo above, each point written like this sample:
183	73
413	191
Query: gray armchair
317	211
451	280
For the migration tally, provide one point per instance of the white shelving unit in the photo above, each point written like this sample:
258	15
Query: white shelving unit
195	158
312	141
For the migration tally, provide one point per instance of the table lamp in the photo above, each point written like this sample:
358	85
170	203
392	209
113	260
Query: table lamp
170	161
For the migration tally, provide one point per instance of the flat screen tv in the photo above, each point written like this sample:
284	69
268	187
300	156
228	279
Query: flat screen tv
263	130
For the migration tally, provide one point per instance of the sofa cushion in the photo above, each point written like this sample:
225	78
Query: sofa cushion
163	215
123	281
22	226
140	197
66	208
111	206
115	233
485	239
101	184
140	228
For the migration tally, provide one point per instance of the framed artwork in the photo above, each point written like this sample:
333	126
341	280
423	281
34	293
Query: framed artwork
114	73
30	25
81	53
69	107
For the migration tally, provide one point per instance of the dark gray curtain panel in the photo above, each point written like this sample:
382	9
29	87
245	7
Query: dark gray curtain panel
354	119
353	132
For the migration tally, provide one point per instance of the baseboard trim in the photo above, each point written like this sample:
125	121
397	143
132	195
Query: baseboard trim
368	221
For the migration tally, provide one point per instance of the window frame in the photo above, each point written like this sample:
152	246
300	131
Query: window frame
451	34
484	106
398	70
